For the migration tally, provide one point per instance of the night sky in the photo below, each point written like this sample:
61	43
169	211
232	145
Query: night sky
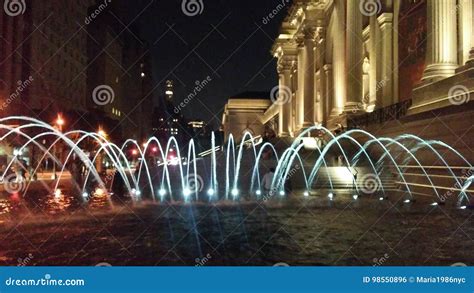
227	42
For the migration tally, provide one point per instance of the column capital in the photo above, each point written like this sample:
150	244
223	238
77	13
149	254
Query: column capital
286	63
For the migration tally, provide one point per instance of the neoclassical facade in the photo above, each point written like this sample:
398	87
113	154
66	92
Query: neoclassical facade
340	60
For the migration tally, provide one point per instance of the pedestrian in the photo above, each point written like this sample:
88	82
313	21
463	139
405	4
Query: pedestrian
267	181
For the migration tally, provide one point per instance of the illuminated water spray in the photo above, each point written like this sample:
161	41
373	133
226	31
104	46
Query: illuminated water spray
233	170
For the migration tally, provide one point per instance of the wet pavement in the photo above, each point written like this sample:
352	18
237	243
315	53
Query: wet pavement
299	231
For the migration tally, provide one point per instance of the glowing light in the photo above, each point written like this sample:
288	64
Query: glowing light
235	192
434	204
57	193
173	161
85	195
154	149
331	196
355	196
282	192
162	192
134	152
59	120
381	198
101	132
211	191
306	193
99	191
407	201
186	192
258	192
463	207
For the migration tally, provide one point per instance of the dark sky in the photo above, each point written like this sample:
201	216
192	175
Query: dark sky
228	42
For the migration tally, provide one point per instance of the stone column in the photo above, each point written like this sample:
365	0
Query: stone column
305	102
294	87
299	119
338	68
286	95
308	116
441	57
320	95
354	57
373	43
329	97
385	21
466	31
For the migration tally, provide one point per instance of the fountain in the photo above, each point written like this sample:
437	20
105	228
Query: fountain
217	174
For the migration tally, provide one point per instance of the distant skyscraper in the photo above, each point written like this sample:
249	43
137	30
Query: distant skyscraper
169	92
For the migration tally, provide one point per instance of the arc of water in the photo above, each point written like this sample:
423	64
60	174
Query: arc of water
165	166
286	169
346	136
21	149
385	150
230	146
143	163
178	154
391	141
54	132
239	156
192	154
213	176
422	143
467	184
255	172
114	153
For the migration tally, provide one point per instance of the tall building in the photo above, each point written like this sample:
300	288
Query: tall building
167	121
119	77
43	58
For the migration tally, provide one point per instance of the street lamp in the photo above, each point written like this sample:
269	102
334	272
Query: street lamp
59	123
102	132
